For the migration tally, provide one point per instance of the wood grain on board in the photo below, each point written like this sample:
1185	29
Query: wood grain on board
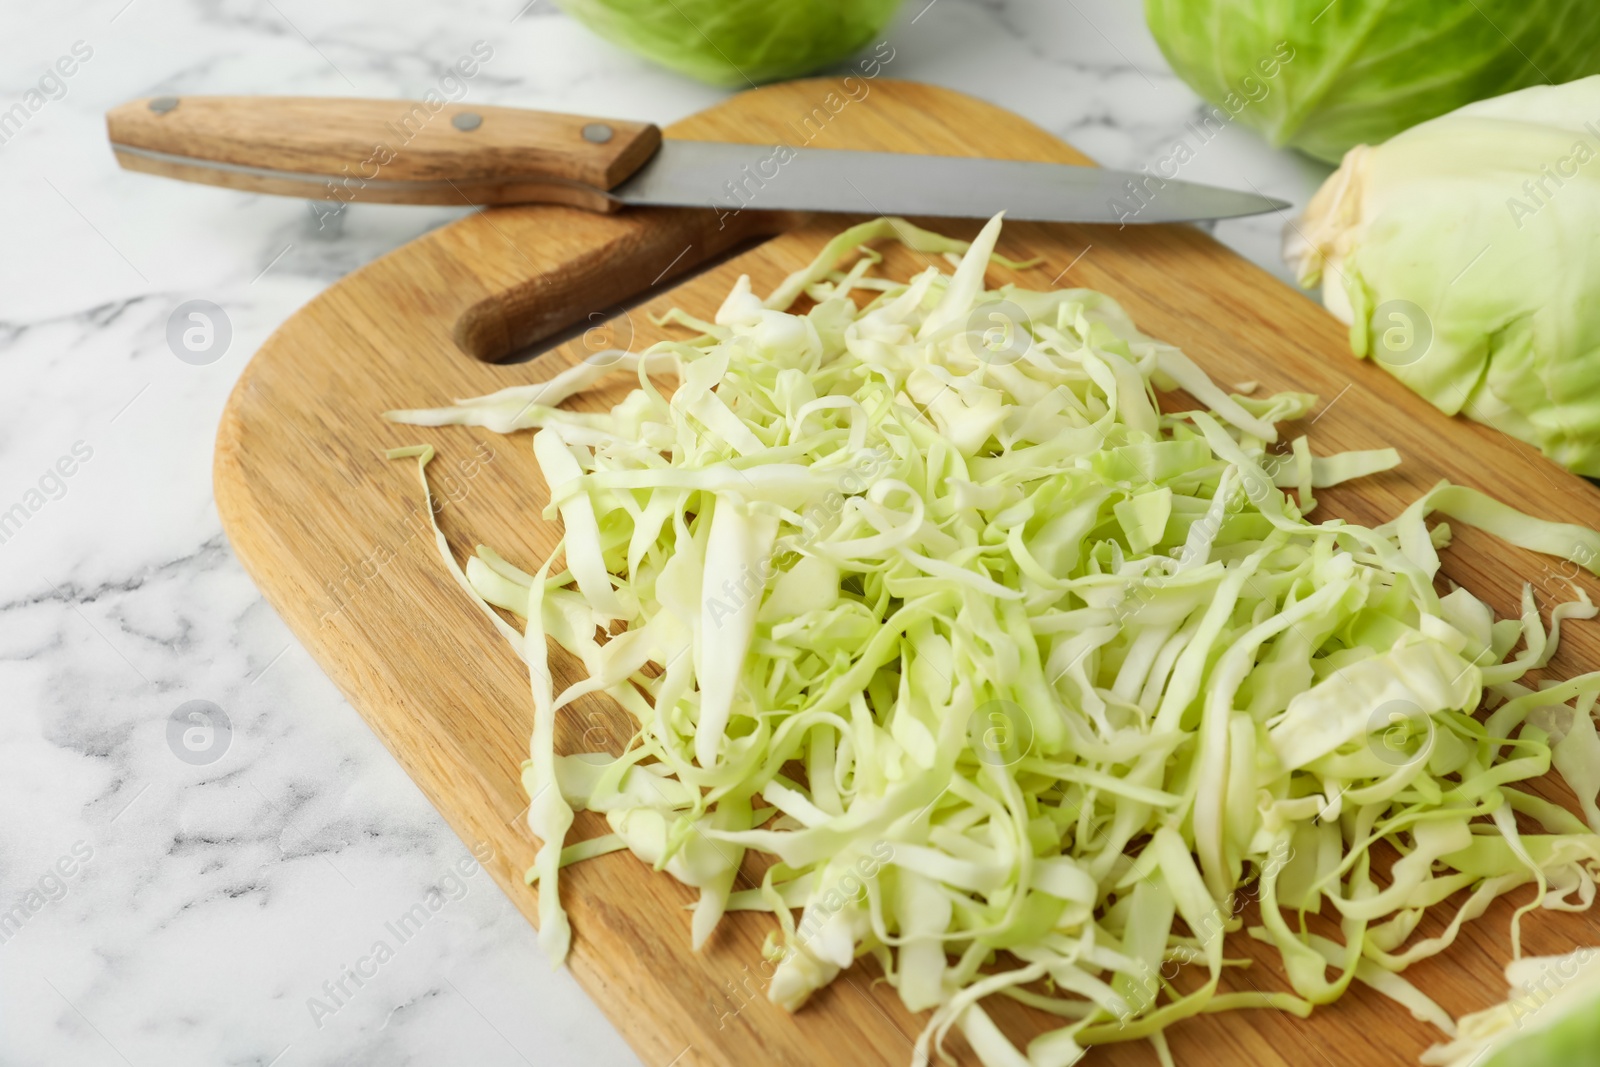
334	535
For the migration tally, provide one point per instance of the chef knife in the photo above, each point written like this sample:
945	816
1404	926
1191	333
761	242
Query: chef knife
402	152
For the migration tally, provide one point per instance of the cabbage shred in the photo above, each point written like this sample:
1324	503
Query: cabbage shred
1013	680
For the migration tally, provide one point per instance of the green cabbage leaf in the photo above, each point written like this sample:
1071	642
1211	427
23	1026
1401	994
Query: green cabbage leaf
737	43
1465	255
1326	75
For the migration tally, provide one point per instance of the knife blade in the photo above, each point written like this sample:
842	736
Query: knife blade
733	177
343	151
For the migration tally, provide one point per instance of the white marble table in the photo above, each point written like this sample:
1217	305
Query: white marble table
179	912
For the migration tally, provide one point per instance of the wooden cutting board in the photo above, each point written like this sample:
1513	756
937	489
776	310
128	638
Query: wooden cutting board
334	536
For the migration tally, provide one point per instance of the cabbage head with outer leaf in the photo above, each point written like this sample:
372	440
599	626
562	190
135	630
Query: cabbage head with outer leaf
737	43
1360	71
1465	255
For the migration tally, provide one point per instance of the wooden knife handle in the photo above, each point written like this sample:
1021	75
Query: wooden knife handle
381	151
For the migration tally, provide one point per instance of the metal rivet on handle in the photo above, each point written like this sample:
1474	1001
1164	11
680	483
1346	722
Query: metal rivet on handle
163	104
597	133
466	121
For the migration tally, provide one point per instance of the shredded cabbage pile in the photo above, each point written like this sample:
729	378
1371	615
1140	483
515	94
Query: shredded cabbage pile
1009	678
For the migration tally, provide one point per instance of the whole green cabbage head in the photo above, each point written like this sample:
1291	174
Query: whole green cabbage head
1363	70
1465	255
734	43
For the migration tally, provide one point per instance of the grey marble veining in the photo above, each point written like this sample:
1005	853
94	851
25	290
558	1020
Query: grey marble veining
182	911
